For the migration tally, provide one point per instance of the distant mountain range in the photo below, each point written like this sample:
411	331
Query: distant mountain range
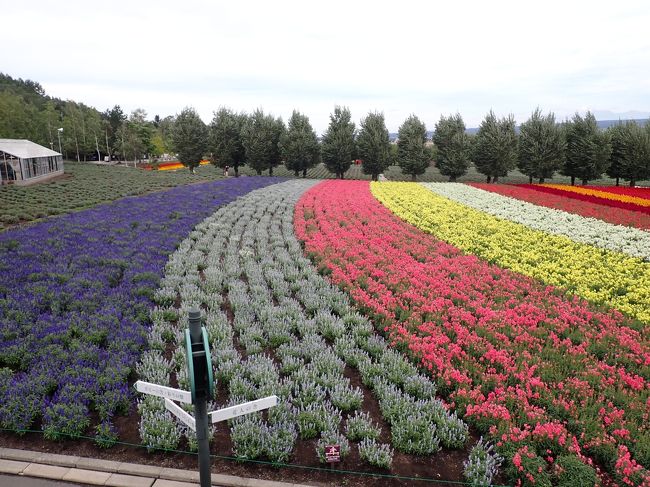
602	124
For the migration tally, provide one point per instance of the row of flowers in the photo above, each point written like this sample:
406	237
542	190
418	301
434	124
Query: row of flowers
545	374
586	209
589	198
635	199
637	191
172	166
601	276
75	294
292	334
630	241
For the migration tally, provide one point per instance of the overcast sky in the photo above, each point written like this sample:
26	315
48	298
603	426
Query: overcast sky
400	57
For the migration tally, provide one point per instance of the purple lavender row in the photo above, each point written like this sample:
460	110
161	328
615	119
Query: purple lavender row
75	295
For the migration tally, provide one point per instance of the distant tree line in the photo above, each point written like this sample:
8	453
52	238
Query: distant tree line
83	132
541	147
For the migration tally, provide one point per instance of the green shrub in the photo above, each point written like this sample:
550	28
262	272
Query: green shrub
571	472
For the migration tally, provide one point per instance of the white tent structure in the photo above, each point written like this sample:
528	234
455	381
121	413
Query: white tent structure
23	162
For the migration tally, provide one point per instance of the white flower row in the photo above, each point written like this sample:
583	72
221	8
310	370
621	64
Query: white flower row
590	231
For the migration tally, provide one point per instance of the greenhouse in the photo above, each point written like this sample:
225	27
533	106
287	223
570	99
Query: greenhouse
23	162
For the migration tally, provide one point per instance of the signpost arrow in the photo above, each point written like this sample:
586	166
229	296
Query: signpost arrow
181	414
199	365
163	391
244	408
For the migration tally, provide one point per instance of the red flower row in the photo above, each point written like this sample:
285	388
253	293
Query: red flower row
520	360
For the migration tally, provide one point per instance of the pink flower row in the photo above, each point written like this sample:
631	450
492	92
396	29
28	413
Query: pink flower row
515	357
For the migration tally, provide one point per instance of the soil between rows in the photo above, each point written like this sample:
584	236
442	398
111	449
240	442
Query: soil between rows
445	466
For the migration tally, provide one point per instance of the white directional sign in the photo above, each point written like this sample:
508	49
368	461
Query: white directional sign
181	414
164	391
244	408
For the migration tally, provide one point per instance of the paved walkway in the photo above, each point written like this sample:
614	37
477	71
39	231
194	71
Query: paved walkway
15	481
70	471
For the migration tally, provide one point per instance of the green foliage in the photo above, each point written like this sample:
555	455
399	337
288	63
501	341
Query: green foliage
299	145
374	144
571	472
261	137
587	150
541	146
630	156
453	147
338	145
528	470
105	434
495	147
412	155
226	139
190	136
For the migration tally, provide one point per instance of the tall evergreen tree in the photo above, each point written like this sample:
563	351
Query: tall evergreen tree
630	157
190	136
587	149
338	145
299	145
260	138
495	148
374	145
412	155
453	149
113	120
616	135
226	139
541	146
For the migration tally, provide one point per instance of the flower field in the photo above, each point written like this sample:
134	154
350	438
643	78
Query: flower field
75	298
85	185
546	374
630	241
594	197
621	216
401	321
293	334
602	276
630	195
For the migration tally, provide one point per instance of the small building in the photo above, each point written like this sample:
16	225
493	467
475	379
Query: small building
23	162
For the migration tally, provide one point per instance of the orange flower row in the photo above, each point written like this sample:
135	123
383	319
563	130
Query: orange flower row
169	166
600	194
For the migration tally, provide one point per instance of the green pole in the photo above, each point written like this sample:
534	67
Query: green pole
201	400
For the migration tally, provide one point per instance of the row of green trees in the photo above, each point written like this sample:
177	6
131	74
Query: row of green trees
576	148
263	142
541	147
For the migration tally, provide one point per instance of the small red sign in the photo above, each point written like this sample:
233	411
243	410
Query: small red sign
333	453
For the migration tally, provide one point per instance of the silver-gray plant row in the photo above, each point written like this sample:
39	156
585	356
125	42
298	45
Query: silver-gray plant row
290	333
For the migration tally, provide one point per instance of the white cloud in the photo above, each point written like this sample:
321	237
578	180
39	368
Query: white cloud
402	57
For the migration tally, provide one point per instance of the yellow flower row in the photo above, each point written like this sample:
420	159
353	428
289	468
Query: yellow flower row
600	194
601	276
